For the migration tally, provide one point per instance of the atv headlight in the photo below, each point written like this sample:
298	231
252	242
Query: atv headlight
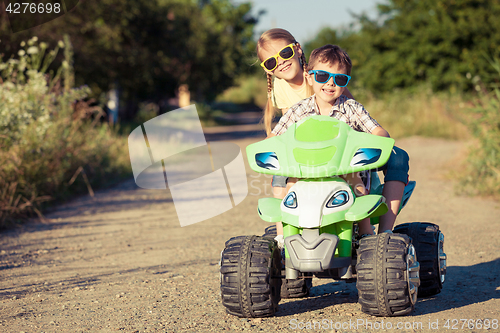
338	199
290	200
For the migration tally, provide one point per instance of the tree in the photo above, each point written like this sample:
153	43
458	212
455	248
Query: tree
436	41
151	47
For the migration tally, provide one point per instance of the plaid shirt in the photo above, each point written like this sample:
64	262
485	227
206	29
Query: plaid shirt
347	110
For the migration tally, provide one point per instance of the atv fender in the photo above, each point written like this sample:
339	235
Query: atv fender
371	205
270	209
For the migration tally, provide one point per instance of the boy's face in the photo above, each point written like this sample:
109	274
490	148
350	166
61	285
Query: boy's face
326	92
286	69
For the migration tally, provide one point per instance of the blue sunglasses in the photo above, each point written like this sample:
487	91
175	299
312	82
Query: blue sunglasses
340	80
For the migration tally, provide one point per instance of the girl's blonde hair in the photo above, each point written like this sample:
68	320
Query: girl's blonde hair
266	37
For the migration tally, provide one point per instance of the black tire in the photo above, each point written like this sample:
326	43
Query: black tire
291	288
296	288
270	231
428	241
387	272
250	282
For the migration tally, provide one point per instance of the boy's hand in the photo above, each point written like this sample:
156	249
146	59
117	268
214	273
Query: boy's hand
380	132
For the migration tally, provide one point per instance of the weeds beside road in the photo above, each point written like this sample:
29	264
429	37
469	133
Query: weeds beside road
52	142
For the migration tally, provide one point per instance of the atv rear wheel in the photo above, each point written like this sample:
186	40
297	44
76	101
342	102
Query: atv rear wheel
291	288
250	276
388	275
270	231
296	288
428	241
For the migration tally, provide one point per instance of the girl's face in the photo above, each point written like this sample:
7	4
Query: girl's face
287	69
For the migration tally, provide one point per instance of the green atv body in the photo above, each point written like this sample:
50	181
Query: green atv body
319	215
317	150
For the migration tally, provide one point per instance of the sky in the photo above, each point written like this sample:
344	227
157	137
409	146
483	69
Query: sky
305	18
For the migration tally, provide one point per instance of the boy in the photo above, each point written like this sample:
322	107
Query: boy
328	74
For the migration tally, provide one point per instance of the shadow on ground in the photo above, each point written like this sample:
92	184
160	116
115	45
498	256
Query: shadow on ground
479	283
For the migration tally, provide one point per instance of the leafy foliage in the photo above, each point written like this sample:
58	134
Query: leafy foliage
26	97
415	41
149	48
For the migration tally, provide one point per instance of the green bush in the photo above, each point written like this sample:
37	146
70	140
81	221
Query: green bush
248	90
147	111
49	134
482	174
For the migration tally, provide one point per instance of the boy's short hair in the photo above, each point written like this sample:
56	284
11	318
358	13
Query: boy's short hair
330	54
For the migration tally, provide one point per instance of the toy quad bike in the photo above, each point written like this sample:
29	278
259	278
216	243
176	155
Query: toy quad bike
319	214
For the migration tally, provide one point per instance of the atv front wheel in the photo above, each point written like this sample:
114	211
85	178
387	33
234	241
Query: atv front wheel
428	241
250	276
388	275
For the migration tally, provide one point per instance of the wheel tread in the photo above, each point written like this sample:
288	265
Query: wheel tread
425	237
381	284
247	287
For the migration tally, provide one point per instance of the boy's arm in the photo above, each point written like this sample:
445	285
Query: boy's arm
364	121
292	115
380	131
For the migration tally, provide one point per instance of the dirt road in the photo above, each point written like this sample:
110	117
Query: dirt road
122	263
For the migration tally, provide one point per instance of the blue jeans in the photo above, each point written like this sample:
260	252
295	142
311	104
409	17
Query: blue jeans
279	181
397	167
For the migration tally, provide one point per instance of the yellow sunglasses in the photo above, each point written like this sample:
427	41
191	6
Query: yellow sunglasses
285	53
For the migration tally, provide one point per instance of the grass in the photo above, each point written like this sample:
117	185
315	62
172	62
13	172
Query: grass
481	170
419	113
53	144
73	158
